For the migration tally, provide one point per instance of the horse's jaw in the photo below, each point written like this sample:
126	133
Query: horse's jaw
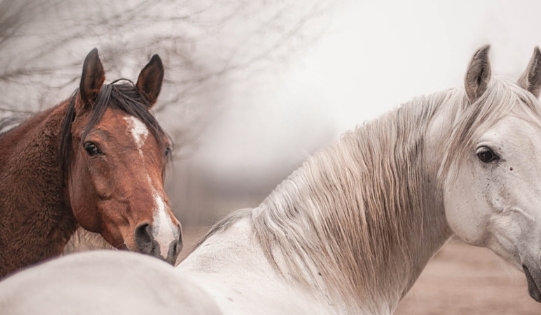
534	284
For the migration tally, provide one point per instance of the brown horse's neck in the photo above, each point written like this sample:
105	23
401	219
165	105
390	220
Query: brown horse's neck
36	220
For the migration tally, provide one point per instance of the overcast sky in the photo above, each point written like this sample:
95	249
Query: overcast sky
374	56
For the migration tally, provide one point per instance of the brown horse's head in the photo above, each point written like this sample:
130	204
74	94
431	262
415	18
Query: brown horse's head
114	155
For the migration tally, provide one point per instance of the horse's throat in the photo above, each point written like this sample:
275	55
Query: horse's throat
83	240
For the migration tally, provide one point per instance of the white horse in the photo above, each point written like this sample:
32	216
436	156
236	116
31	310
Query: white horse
103	282
352	229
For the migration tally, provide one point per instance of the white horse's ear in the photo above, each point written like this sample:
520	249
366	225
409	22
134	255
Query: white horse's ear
478	74
531	78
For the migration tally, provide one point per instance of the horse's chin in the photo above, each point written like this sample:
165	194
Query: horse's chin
123	246
534	284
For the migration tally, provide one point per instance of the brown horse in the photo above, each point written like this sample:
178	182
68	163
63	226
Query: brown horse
94	161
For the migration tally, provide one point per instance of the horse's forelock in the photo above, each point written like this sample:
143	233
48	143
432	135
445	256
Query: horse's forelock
500	98
120	94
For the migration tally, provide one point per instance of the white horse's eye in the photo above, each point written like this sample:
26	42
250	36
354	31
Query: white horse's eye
486	155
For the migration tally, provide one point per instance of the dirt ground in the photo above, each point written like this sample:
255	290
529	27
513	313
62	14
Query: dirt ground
460	280
463	279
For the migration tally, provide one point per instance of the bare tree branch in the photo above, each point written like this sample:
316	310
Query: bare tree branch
201	42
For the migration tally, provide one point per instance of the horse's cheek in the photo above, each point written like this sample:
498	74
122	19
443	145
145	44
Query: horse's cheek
101	177
83	199
84	209
464	209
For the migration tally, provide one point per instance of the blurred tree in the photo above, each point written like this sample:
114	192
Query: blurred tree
204	44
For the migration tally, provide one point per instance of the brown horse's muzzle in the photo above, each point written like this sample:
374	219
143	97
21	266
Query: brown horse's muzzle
164	249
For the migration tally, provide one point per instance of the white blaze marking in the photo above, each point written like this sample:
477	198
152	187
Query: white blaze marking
138	131
163	228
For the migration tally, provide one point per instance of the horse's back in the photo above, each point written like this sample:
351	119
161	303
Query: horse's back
103	282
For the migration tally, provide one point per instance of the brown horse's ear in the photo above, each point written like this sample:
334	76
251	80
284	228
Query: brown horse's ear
531	78
91	80
150	80
478	74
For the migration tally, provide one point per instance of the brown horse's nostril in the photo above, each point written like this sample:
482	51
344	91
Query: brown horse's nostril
175	247
144	239
147	242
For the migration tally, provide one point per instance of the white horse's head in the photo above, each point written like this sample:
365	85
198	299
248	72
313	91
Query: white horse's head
492	172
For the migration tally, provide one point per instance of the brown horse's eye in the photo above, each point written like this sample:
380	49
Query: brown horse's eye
92	149
486	155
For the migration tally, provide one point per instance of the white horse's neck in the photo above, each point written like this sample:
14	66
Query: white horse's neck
357	223
367	213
